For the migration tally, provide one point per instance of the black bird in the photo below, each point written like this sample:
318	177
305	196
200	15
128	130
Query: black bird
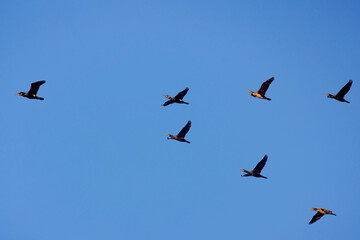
257	170
181	135
320	212
340	95
178	98
31	94
264	87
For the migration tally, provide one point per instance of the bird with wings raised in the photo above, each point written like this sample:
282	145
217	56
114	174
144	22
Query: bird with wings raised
177	99
341	94
320	212
262	91
31	94
181	135
257	170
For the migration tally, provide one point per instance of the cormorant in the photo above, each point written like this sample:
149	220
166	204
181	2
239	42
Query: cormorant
31	94
180	136
320	212
264	87
178	98
257	170
340	95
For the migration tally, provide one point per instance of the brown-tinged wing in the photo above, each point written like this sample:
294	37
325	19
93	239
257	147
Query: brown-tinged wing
261	164
316	217
184	131
35	87
168	102
181	94
264	87
344	90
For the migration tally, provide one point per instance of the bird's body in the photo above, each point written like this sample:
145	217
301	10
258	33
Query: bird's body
31	94
257	170
181	135
177	99
320	212
341	94
262	91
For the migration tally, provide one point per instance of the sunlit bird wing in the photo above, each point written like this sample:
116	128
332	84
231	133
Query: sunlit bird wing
344	90
260	165
35	87
181	94
184	131
264	87
316	217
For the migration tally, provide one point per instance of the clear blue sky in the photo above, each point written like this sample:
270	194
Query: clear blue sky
92	161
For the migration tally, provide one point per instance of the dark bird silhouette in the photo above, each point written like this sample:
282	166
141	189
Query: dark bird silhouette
340	95
181	135
257	170
320	212
264	87
31	94
178	98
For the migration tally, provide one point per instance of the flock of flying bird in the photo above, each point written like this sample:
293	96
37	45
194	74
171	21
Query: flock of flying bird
32	94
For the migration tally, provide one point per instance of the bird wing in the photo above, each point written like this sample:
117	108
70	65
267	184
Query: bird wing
35	87
264	87
327	211
184	131
260	165
316	217
168	102
181	94
344	90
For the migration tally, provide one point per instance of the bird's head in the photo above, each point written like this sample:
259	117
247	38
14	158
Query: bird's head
243	170
329	95
251	92
167	96
20	94
314	209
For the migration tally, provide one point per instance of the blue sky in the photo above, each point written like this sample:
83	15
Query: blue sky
92	161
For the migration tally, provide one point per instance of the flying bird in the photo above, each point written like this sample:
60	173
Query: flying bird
320	212
178	98
264	87
31	94
181	135
340	95
257	170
